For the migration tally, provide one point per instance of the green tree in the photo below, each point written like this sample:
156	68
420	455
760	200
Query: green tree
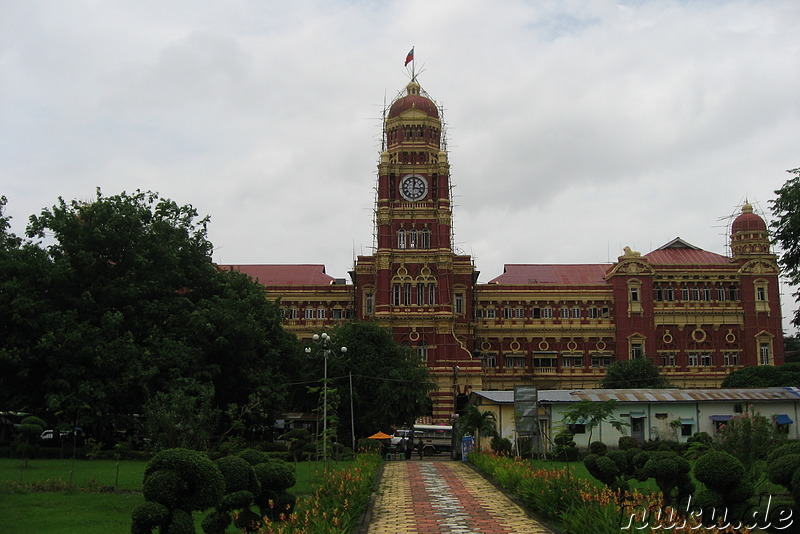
764	376
390	382
633	374
786	231
128	304
477	423
592	414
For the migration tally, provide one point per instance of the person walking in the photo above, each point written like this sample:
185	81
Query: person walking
420	447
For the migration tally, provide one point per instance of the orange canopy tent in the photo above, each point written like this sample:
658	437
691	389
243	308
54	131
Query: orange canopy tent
380	435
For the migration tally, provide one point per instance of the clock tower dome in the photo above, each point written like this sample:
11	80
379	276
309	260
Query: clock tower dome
415	283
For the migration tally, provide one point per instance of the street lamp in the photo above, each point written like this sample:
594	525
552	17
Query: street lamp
325	340
456	369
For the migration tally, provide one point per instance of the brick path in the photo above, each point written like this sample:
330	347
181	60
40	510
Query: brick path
433	497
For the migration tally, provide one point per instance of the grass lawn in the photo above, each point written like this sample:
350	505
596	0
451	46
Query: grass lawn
85	509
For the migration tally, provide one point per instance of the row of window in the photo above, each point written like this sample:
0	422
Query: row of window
668	359
545	361
412	133
413	238
688	294
316	313
411	294
547	312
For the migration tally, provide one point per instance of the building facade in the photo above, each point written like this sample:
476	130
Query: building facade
664	414
696	314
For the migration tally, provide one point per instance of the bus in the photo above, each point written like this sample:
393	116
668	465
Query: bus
435	438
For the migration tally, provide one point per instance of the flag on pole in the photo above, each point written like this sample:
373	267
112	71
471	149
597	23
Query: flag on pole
409	57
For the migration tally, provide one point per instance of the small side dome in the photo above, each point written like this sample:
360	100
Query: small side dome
748	221
413	100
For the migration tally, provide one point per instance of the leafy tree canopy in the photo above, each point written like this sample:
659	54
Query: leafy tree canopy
786	231
764	376
126	303
632	374
592	413
390	382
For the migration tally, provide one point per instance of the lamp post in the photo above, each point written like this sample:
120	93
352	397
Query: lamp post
326	341
456	369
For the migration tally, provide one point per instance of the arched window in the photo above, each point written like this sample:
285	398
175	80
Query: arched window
401	238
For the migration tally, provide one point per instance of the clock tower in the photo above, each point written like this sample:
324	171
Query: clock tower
415	283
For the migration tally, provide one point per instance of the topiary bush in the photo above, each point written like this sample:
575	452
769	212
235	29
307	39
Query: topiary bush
275	478
241	488
26	443
598	447
254	456
670	472
176	483
627	442
724	477
501	445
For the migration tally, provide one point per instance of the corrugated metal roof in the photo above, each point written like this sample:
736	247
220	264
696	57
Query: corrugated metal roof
651	395
525	274
500	397
284	275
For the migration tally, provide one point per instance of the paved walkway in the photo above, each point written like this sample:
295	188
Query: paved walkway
434	496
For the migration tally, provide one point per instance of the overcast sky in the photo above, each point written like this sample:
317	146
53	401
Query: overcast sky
574	128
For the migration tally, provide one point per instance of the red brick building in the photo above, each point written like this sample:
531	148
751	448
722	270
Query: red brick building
696	314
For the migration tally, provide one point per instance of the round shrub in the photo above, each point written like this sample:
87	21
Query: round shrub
719	471
254	457
607	469
793	447
164	487
148	516
627	442
781	470
238	474
564	440
215	522
275	475
203	480
598	447
236	501
181	523
795	489
501	445
701	437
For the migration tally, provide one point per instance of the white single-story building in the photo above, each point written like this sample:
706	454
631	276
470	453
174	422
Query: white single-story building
666	414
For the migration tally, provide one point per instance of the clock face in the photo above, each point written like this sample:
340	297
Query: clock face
413	187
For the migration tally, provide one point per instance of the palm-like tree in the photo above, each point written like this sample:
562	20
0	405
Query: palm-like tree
477	423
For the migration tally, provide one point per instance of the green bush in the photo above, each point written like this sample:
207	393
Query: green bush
253	456
238	474
275	475
148	516
501	445
782	468
701	437
719	471
164	487
627	442
598	447
790	447
180	481
670	472
203	480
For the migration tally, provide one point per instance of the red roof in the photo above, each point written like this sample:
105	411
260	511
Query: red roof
284	275
748	221
523	274
413	102
685	256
